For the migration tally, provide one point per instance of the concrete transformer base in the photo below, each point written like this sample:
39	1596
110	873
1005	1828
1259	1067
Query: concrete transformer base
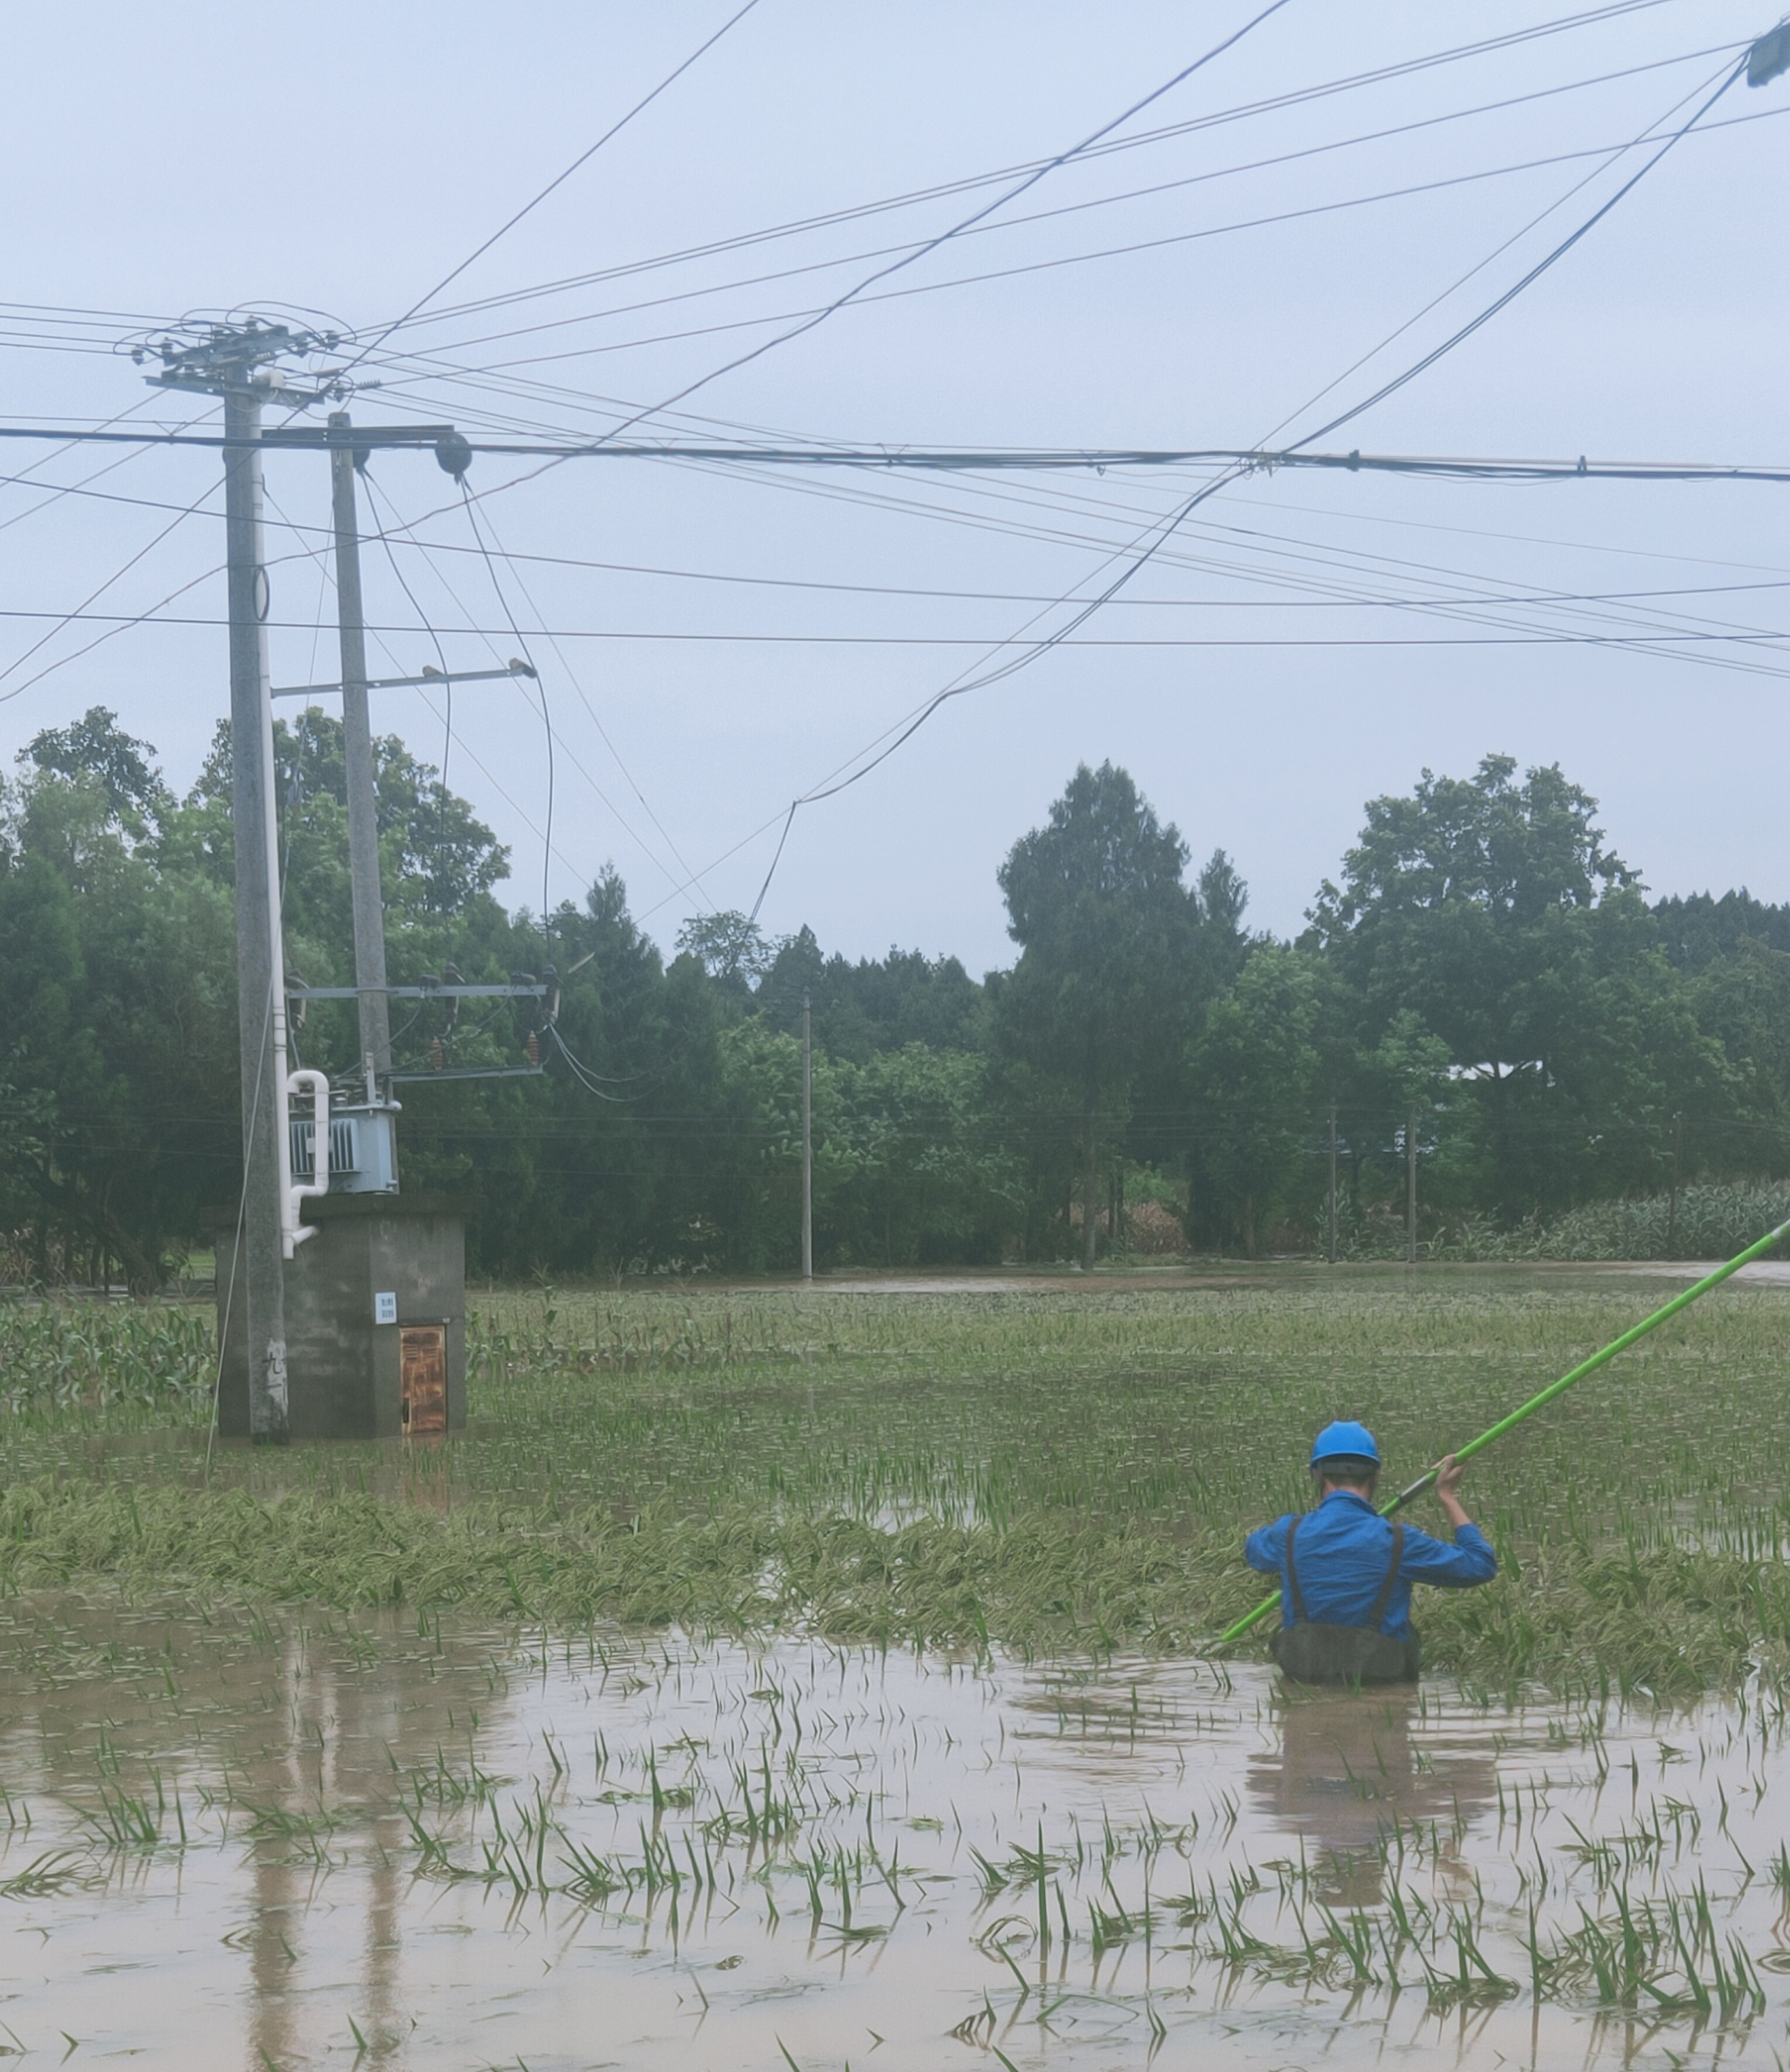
360	1296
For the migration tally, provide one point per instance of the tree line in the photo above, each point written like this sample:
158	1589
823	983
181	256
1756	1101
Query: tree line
1485	985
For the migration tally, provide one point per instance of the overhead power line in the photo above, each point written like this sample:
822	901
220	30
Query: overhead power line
813	320
1025	458
1018	651
1743	635
559	180
1007	225
1295	97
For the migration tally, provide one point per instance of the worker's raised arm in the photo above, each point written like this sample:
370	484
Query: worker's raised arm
1266	1548
1469	1560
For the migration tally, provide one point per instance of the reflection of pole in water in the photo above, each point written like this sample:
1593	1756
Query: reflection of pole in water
1347	1777
335	1717
278	1899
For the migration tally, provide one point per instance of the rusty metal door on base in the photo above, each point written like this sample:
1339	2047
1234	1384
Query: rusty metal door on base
425	1378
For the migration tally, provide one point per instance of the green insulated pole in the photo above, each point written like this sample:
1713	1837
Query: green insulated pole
1554	1389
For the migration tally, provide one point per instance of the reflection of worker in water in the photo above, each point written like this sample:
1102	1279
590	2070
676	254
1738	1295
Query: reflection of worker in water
1346	1573
1347	1775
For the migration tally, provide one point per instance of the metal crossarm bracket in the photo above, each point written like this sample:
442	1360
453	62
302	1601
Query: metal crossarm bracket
465	1072
419	992
409	683
355	437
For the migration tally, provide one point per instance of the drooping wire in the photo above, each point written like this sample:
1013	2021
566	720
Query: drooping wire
967	223
510	561
1527	280
1156	537
398	530
588	1079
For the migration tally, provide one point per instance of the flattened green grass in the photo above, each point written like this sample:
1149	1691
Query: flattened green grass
1063	1469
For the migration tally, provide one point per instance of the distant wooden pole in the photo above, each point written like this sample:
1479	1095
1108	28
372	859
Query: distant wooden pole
808	1141
1331	1248
1410	1187
1672	1203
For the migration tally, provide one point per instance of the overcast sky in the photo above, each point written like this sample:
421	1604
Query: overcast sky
724	638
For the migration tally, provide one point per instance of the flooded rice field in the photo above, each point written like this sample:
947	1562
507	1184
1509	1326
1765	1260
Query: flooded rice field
382	1841
794	1681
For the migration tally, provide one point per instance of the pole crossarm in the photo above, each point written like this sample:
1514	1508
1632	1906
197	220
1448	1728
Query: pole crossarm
419	992
354	437
1683	1301
407	682
465	1072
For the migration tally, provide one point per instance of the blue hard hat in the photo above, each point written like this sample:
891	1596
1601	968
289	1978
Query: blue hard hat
1347	1438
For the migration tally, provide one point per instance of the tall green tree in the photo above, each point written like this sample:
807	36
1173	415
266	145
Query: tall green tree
1492	908
1108	934
1253	1068
117	1024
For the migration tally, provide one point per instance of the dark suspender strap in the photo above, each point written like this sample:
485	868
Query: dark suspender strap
1385	1598
1300	1611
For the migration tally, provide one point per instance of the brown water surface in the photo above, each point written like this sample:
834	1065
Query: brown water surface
232	1843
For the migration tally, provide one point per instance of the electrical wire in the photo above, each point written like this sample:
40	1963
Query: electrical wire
845	774
80	612
1275	104
1029	180
1272	219
121	623
1539	638
510	561
585	1078
447	689
559	181
547	719
512	557
810	322
75	489
1125	575
399	532
1528	280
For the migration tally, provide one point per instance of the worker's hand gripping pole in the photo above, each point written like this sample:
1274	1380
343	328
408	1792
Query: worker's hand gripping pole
1555	1389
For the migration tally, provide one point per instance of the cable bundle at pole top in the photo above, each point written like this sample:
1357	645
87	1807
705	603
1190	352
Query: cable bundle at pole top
1090	499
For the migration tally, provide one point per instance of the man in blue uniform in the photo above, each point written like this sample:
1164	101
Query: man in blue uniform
1346	1573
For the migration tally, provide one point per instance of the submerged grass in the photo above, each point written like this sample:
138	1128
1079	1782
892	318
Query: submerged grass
1066	1467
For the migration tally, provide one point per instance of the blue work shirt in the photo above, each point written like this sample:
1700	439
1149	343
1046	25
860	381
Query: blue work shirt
1343	1550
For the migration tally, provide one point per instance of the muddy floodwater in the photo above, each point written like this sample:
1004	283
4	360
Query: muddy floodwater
234	1843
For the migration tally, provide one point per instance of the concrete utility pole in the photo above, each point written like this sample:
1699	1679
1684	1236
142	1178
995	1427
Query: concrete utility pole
231	361
260	980
1410	1187
808	1141
1671	1205
357	754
